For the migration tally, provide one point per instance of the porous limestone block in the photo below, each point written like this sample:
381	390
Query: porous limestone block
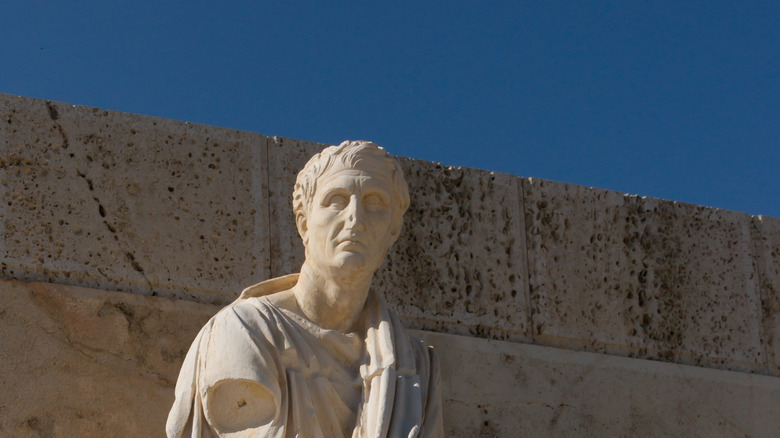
77	362
458	266
505	389
128	202
286	157
642	277
767	242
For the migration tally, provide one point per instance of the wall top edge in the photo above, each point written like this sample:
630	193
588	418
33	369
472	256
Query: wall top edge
635	196
530	179
7	96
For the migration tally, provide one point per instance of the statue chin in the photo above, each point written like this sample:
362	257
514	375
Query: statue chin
356	263
353	260
350	264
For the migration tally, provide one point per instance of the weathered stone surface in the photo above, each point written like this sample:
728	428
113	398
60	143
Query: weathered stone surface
286	158
642	277
503	389
459	265
128	202
81	362
766	237
120	201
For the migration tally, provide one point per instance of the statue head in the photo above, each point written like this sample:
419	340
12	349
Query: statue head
349	202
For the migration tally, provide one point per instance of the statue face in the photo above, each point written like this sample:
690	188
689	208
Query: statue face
349	226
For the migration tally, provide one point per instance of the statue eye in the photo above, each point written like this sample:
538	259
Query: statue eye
375	202
337	201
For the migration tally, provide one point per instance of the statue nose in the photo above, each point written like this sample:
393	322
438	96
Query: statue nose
354	214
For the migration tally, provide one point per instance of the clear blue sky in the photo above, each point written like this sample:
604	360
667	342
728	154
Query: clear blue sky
672	99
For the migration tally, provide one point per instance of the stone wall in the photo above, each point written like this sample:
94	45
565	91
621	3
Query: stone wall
192	213
86	362
79	362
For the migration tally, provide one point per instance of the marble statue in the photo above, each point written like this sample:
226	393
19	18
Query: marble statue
318	354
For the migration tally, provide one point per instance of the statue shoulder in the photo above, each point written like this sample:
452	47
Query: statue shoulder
242	321
268	297
269	287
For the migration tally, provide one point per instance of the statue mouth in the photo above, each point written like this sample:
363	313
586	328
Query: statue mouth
351	241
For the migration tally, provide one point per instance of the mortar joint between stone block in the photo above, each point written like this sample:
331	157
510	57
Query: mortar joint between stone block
269	216
763	327
525	265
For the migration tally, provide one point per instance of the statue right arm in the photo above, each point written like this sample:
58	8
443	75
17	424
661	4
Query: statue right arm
235	405
240	372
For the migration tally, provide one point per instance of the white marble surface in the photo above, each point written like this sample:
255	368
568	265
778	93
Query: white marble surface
318	353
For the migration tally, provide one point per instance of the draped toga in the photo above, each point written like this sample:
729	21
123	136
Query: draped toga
262	371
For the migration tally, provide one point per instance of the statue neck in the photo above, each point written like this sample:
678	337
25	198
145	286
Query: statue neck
328	302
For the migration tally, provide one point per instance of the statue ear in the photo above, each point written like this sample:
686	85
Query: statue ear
300	222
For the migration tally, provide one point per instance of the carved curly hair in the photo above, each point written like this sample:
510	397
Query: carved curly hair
348	154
